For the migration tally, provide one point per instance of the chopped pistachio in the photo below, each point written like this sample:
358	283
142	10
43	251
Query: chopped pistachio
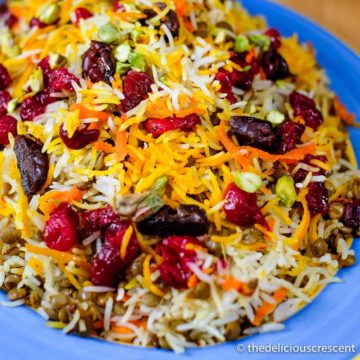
7	43
241	43
122	68
285	190
247	181
122	52
12	105
137	61
275	117
134	35
109	33
159	185
57	60
35	81
48	13
261	40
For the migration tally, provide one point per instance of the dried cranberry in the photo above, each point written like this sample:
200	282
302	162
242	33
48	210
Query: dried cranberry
108	265
185	220
174	270
241	207
99	218
6	16
306	108
35	22
136	86
254	132
4	99
80	139
274	36
61	230
118	6
32	163
351	215
172	23
317	198
224	78
5	78
158	127
274	65
61	79
289	135
98	63
7	125
301	174
82	13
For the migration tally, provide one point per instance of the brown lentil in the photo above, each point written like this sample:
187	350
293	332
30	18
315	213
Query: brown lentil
200	291
319	247
16	294
336	210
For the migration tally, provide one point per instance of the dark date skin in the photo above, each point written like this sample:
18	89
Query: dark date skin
32	163
185	220
254	132
274	65
98	63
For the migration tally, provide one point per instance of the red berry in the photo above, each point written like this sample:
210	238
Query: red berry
80	139
61	230
136	86
118	6
5	78
158	127
224	78
99	218
35	22
31	107
61	79
305	107
7	125
241	207
351	215
174	269
6	17
274	36
4	99
82	13
107	265
289	134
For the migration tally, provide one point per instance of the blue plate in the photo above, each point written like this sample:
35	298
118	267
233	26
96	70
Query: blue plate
332	319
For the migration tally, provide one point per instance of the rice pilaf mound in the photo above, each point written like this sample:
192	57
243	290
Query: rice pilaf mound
173	174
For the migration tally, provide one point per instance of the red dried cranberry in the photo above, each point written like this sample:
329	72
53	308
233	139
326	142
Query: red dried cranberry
80	139
301	174
351	215
317	198
5	78
274	36
7	125
4	99
61	230
44	65
35	22
241	207
118	6
31	107
306	108
61	79
254	132
274	65
6	16
99	218
82	13
98	63
174	269
289	135
108	265
136	86
159	126
224	78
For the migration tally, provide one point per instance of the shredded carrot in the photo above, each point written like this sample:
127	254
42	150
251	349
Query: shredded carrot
87	113
129	16
181	7
121	329
125	241
147	278
268	308
104	146
250	56
49	201
343	113
69	275
230	283
121	145
193	281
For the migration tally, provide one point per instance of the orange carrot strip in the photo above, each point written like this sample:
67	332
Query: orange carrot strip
268	308
230	283
342	112
104	146
121	145
193	281
87	113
